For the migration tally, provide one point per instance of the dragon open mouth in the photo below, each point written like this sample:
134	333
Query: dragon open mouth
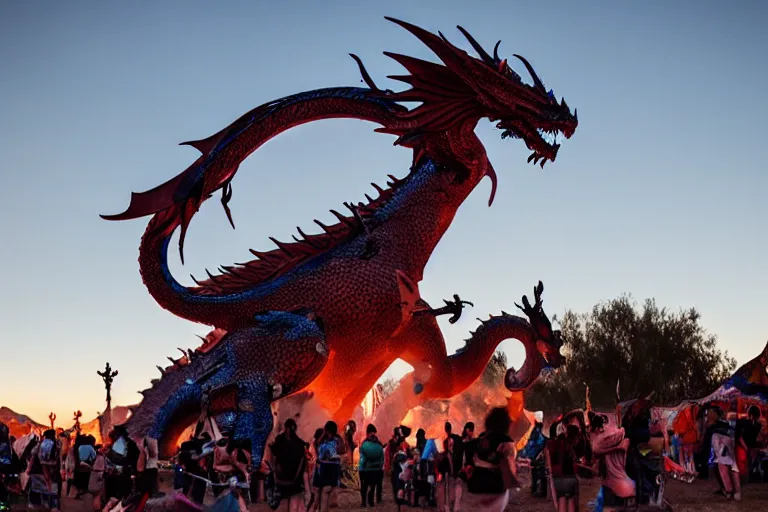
544	142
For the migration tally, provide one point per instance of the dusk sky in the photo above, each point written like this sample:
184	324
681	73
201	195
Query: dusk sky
660	193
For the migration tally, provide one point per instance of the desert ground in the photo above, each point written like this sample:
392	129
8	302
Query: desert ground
696	497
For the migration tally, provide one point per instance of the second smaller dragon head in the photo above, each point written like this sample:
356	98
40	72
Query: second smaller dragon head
548	341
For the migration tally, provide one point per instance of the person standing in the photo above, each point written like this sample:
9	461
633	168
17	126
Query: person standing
561	457
747	434
146	482
494	471
724	454
451	463
330	448
86	456
371	467
290	467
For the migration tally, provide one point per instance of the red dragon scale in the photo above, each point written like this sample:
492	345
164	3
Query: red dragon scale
352	274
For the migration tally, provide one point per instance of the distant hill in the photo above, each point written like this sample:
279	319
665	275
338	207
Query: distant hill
18	424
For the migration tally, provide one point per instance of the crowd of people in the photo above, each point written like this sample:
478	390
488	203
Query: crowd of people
457	472
306	475
634	457
66	462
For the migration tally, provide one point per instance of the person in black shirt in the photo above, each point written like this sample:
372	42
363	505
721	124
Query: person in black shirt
421	440
290	468
468	443
747	434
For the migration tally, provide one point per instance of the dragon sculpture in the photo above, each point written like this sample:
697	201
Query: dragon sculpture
360	276
233	379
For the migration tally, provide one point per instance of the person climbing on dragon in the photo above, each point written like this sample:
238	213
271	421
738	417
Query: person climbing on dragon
360	276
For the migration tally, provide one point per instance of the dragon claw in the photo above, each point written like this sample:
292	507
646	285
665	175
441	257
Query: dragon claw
226	196
452	307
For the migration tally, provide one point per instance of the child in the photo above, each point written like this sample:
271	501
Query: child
406	476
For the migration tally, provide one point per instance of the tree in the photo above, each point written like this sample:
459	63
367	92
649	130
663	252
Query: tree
648	350
388	385
495	370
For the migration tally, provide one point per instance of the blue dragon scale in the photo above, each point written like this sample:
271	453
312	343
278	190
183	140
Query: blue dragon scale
234	379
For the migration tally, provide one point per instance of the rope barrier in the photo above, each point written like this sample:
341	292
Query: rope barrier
231	483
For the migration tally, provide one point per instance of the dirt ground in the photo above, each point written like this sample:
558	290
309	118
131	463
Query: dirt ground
696	497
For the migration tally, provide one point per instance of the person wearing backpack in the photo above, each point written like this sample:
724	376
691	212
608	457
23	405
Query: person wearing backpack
330	448
371	466
122	459
45	477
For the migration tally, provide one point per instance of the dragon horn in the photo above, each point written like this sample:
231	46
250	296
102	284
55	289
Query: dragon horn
479	49
536	80
364	73
446	51
496	52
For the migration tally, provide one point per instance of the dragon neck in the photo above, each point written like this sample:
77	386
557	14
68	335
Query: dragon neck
450	165
470	361
251	131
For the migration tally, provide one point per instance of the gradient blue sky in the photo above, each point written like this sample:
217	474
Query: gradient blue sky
660	193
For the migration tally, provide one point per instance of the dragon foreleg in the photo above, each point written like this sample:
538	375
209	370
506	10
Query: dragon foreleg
453	308
254	416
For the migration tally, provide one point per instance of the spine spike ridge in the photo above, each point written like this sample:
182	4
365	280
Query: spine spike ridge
162	372
369	198
342	219
378	188
323	226
279	245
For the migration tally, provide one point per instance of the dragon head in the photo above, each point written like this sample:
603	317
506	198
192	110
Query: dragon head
523	111
548	341
473	88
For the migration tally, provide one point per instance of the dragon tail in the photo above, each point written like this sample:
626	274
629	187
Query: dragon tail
175	202
173	401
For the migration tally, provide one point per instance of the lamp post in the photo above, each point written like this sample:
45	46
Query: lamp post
108	375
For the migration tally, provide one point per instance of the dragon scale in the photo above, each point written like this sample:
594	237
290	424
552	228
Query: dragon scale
358	280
